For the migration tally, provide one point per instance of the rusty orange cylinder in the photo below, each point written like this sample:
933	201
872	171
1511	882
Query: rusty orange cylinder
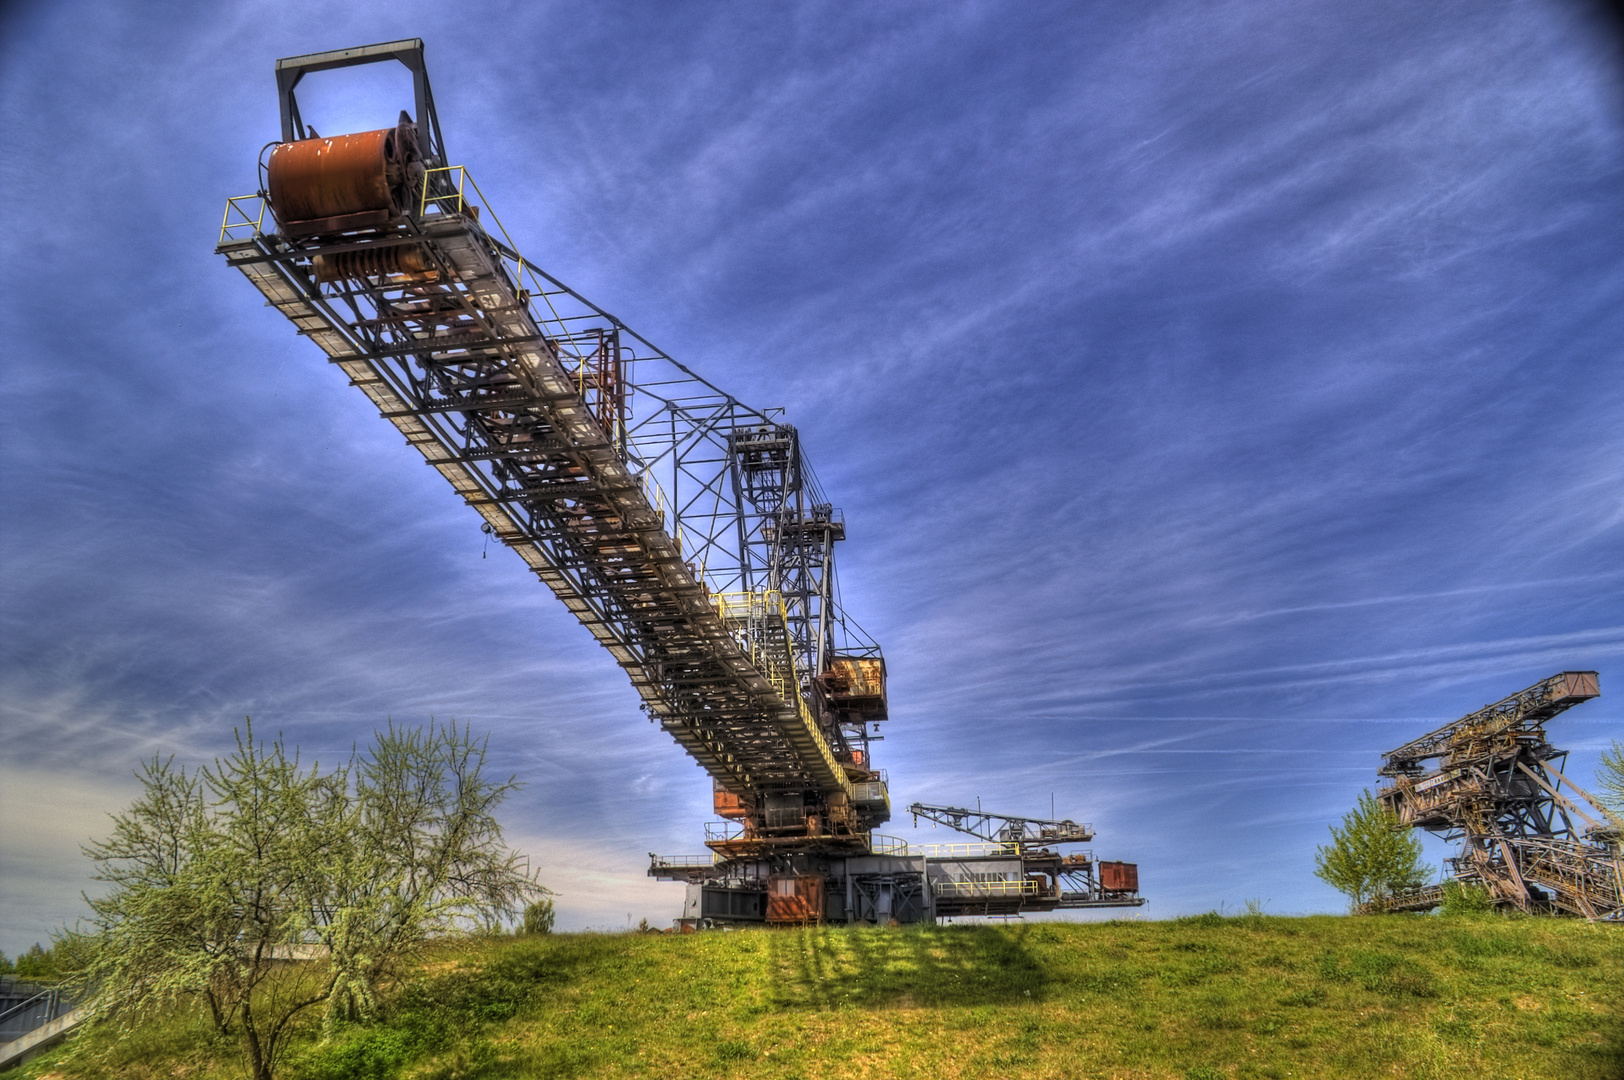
410	262
335	185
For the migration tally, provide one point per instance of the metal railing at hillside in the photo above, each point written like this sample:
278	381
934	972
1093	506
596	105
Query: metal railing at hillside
26	1015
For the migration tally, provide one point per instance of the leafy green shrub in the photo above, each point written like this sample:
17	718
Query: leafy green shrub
538	917
1372	854
1466	898
372	1054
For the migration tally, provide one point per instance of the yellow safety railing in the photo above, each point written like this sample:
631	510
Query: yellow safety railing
888	845
530	286
749	613
1021	887
229	228
654	492
746	613
460	203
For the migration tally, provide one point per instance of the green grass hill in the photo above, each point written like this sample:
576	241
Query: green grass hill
1201	998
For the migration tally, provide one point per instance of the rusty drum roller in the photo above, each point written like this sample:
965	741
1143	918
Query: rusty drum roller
407	260
360	181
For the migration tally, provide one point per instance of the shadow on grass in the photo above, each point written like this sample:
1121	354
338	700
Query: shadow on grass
445	1014
919	966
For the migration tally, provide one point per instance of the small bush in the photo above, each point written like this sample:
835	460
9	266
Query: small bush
375	1054
539	917
1463	899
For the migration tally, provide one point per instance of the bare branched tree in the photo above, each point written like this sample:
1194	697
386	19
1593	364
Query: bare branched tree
267	889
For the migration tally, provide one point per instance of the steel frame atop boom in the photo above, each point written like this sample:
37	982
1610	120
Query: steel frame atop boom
408	51
683	528
1004	828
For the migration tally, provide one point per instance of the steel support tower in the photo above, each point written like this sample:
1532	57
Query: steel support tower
1492	782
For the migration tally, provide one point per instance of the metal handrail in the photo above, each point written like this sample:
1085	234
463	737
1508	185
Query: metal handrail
228	227
969	850
723	830
49	1002
747	607
460	198
682	862
51	994
1023	887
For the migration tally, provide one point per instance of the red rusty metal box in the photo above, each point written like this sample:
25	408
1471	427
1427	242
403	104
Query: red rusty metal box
1576	686
729	805
795	898
1119	876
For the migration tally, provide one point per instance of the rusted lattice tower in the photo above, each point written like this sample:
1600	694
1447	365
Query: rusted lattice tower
1492	782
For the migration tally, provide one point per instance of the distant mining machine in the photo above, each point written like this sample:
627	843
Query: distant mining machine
684	529
1530	836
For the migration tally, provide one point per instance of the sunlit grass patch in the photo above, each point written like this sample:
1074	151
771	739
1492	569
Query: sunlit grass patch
1252	996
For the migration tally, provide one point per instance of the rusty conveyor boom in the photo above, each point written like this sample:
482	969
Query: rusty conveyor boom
516	390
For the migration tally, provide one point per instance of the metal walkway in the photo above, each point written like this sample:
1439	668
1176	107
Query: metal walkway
684	529
459	365
681	527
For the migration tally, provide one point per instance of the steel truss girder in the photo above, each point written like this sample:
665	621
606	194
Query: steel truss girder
466	373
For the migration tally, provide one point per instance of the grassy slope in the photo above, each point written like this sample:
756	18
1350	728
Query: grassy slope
1198	998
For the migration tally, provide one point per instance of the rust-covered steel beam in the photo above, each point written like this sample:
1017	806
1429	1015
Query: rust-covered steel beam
1524	710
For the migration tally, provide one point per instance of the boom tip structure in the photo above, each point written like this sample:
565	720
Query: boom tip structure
683	528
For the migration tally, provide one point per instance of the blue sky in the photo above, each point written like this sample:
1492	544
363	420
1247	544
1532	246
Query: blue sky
1218	395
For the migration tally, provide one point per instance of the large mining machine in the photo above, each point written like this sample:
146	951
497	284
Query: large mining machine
1492	782
684	529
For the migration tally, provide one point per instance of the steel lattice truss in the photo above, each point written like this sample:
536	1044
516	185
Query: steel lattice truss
1004	828
683	528
1496	788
